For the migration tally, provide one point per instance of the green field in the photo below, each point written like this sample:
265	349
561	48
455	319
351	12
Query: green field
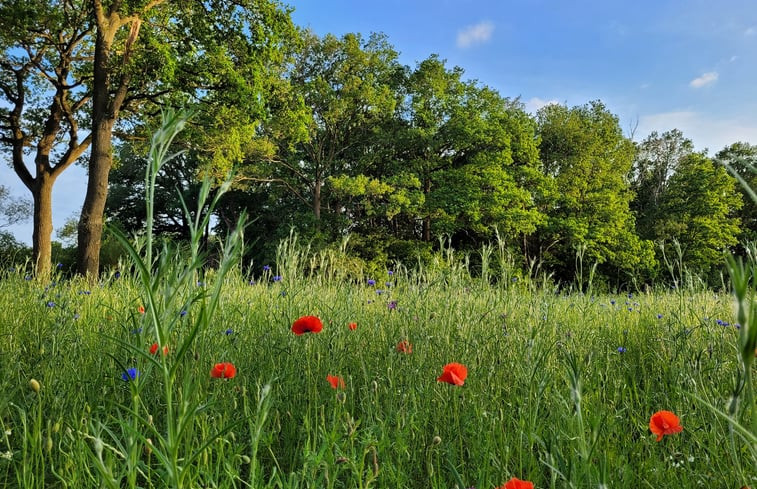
560	388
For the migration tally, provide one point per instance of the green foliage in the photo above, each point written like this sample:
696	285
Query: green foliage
584	151
741	158
699	208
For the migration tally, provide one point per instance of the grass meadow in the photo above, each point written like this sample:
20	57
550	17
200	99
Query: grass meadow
560	388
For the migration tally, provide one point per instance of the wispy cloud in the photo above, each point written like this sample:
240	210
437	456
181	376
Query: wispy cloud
475	34
534	104
751	31
706	79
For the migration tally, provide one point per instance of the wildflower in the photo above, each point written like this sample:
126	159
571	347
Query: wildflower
371	282
76	316
436	440
224	370
50	304
34	385
252	282
85	292
130	374
664	423
379	291
200	283
59	266
612	301
335	381
392	305
659	316
183	313
352	326
154	349
516	483
307	324
454	373
136	331
405	347
388	284
390	272
266	268
277	278
621	349
228	331
117	274
141	309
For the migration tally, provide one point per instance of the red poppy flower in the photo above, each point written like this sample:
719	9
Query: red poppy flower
335	381
154	349
307	324
516	483
664	423
352	326
224	370
141	309
454	373
405	347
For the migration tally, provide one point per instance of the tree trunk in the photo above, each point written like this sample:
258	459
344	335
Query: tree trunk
100	160
427	219
317	200
91	219
43	224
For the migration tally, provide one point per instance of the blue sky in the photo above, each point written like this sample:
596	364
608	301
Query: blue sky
658	65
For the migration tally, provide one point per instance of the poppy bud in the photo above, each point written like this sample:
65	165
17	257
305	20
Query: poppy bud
56	427
245	459
341	397
148	446
49	444
436	440
34	384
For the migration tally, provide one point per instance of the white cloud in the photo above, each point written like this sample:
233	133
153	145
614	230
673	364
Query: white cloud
751	31
475	34
706	79
704	130
536	103
733	58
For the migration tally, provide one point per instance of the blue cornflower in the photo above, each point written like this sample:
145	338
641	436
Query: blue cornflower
390	272
277	278
117	274
50	304
59	266
737	326
229	331
379	291
130	374
283	293
266	268
183	313
371	281
389	284
252	282
719	322
392	305
659	316
621	349
612	302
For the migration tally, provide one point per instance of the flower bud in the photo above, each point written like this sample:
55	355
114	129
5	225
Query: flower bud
34	384
436	440
148	446
245	459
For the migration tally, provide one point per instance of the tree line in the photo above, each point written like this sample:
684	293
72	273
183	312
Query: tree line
334	137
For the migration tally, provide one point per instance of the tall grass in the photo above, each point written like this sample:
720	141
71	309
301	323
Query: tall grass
560	387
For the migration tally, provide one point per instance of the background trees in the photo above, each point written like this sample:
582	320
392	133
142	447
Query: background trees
584	151
334	137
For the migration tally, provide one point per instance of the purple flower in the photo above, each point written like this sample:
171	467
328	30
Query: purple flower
229	331
621	349
371	282
117	274
266	268
659	316
130	374
612	302
277	278
392	305
28	277
390	272
84	292
389	284
200	283
252	282
183	313
59	266
50	304
379	291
